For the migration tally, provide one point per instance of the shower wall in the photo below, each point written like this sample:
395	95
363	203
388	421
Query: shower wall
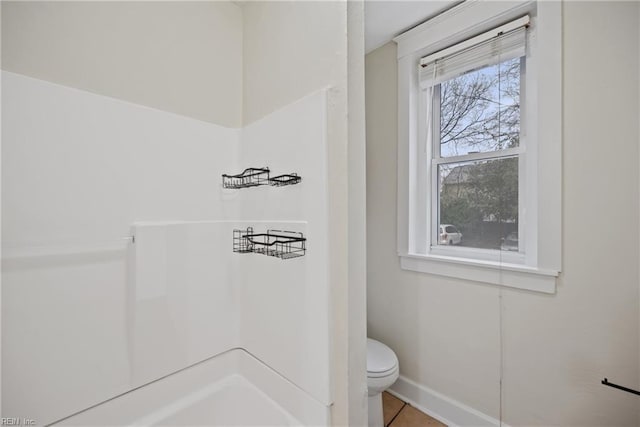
78	170
292	139
110	315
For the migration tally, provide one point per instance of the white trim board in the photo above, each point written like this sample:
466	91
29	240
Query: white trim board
441	407
495	273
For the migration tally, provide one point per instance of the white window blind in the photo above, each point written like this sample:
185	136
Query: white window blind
482	51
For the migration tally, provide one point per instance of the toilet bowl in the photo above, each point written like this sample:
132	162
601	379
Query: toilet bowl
382	371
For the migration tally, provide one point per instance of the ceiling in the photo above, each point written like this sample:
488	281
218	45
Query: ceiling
385	19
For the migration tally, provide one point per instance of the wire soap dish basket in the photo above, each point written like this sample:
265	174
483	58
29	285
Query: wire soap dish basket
286	179
276	243
253	177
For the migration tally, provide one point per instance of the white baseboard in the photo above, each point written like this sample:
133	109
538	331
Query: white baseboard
443	408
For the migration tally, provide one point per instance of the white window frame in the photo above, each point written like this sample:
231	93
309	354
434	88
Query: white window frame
432	158
538	267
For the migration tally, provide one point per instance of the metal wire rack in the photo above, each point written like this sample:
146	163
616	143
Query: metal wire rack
276	243
253	177
250	177
287	179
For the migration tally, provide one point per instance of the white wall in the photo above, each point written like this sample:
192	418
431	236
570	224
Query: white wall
290	50
357	305
556	348
182	57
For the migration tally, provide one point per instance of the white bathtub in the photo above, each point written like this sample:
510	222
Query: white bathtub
231	389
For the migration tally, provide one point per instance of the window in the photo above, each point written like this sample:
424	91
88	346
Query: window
471	120
477	121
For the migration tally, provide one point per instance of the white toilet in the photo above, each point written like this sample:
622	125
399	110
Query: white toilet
382	371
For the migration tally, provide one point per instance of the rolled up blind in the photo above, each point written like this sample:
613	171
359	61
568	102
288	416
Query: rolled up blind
489	50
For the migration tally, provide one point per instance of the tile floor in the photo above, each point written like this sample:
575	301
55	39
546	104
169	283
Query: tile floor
400	414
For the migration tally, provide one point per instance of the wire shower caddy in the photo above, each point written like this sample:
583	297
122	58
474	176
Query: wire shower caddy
276	243
254	177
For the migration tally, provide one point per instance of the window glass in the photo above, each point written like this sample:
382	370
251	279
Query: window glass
510	243
480	110
479	198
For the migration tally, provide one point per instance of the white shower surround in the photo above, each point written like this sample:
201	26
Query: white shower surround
79	169
216	392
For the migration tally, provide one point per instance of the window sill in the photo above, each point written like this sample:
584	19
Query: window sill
492	272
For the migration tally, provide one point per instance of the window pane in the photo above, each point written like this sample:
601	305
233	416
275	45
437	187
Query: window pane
480	110
480	199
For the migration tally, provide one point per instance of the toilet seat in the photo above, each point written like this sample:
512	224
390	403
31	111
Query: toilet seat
384	374
381	360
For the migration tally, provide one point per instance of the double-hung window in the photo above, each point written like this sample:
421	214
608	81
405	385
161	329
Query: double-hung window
479	144
475	145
